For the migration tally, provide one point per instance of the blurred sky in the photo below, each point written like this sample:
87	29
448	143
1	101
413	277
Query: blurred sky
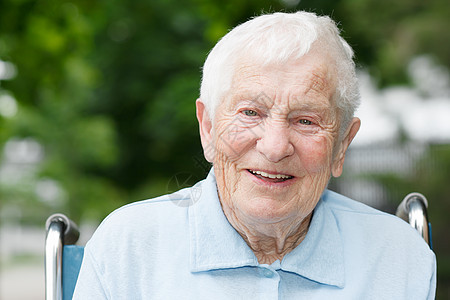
422	111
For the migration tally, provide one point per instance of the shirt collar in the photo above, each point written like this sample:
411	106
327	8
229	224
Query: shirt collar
215	244
320	256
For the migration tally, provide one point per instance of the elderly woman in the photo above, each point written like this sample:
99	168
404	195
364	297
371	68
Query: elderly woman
276	118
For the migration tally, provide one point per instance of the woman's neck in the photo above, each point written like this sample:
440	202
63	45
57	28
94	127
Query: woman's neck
270	241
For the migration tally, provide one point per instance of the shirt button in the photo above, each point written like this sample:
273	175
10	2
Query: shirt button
268	273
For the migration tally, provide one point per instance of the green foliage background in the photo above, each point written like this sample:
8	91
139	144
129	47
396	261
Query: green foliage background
108	89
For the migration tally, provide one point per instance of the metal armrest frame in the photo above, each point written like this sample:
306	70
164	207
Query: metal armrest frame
60	230
413	209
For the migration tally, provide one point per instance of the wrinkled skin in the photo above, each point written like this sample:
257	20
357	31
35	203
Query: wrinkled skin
281	120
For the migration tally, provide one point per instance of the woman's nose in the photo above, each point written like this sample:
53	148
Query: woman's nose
275	142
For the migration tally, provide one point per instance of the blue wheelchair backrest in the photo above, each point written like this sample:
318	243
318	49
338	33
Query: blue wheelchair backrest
72	258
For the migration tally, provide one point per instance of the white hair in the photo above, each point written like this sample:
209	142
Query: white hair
279	38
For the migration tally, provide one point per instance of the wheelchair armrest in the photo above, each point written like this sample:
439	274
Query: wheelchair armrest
413	209
60	231
70	229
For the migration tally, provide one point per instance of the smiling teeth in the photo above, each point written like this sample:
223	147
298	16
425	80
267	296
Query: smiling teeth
272	176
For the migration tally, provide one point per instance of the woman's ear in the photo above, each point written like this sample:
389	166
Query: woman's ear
338	163
206	134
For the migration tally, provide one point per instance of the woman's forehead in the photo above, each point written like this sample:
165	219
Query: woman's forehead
301	83
316	69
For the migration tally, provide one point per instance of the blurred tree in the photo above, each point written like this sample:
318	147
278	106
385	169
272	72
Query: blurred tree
50	44
386	35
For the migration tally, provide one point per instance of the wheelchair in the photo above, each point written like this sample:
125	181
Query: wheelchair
63	258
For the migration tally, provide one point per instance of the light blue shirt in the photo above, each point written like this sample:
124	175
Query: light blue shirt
181	246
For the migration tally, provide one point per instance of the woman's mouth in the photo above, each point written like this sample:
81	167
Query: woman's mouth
271	177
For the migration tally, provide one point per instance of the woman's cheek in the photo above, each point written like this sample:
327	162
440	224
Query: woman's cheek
315	153
235	141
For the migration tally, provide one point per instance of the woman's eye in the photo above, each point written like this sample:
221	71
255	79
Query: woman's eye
250	113
305	122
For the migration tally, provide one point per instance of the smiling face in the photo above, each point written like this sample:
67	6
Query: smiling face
276	140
